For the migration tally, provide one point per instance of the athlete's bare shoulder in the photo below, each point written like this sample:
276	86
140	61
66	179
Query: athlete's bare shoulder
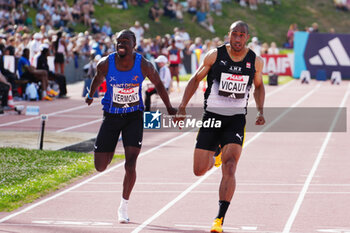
259	63
146	67
211	56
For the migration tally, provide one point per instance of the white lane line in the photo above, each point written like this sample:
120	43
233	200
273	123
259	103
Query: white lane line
308	180
214	169
93	122
282	115
274	91
211	191
208	183
88	180
78	126
50	114
203	227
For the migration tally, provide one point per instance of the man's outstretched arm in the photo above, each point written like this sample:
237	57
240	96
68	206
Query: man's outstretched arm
198	76
149	71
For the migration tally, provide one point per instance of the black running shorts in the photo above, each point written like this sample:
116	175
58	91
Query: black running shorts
232	130
129	124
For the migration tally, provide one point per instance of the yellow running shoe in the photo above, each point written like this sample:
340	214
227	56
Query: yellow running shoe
217	225
46	97
217	157
52	92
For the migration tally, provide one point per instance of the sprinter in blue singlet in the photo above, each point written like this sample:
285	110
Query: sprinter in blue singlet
124	72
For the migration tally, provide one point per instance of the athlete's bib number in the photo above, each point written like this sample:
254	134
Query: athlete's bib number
125	97
173	58
233	86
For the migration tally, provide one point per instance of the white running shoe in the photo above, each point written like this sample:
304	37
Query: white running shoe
123	212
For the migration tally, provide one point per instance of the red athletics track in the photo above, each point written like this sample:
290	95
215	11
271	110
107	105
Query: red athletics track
287	182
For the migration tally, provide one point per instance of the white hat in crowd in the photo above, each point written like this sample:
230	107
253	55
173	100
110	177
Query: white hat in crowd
255	39
161	58
37	36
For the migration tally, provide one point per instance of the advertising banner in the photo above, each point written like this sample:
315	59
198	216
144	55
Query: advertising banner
321	51
279	64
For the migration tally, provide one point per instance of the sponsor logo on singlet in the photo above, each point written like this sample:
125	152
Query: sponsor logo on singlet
233	85
125	97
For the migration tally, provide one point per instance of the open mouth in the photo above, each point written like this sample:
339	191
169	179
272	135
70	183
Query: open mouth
121	49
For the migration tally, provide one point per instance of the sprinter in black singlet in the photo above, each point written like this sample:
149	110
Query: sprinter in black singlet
231	69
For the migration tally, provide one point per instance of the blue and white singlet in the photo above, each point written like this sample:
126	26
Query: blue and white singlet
124	88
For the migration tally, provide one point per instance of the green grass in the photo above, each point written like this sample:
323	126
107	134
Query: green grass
268	23
26	175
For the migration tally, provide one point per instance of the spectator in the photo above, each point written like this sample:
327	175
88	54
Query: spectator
183	34
264	48
203	17
254	45
86	8
155	12
5	87
155	47
138	30
11	47
34	45
273	49
192	6
179	11
196	45
106	29
58	78
216	6
56	19
76	12
341	5
60	51
24	42
95	26
290	35
253	4
314	27
40	18
165	77
170	9
10	76
28	72
174	57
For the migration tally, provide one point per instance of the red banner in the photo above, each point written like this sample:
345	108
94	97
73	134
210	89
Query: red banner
278	64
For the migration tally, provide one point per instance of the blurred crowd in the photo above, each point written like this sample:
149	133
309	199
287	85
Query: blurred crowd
56	38
343	5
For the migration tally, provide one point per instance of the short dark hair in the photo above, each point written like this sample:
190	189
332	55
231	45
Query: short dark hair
126	31
241	23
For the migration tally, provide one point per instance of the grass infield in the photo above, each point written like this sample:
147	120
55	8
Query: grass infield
26	175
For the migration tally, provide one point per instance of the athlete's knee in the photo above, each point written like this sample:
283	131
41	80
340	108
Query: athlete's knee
229	167
130	166
101	161
199	171
100	167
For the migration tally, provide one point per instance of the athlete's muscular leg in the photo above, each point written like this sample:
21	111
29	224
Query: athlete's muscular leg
131	154
202	161
230	156
102	159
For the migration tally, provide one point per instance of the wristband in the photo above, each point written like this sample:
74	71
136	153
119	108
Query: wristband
88	96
